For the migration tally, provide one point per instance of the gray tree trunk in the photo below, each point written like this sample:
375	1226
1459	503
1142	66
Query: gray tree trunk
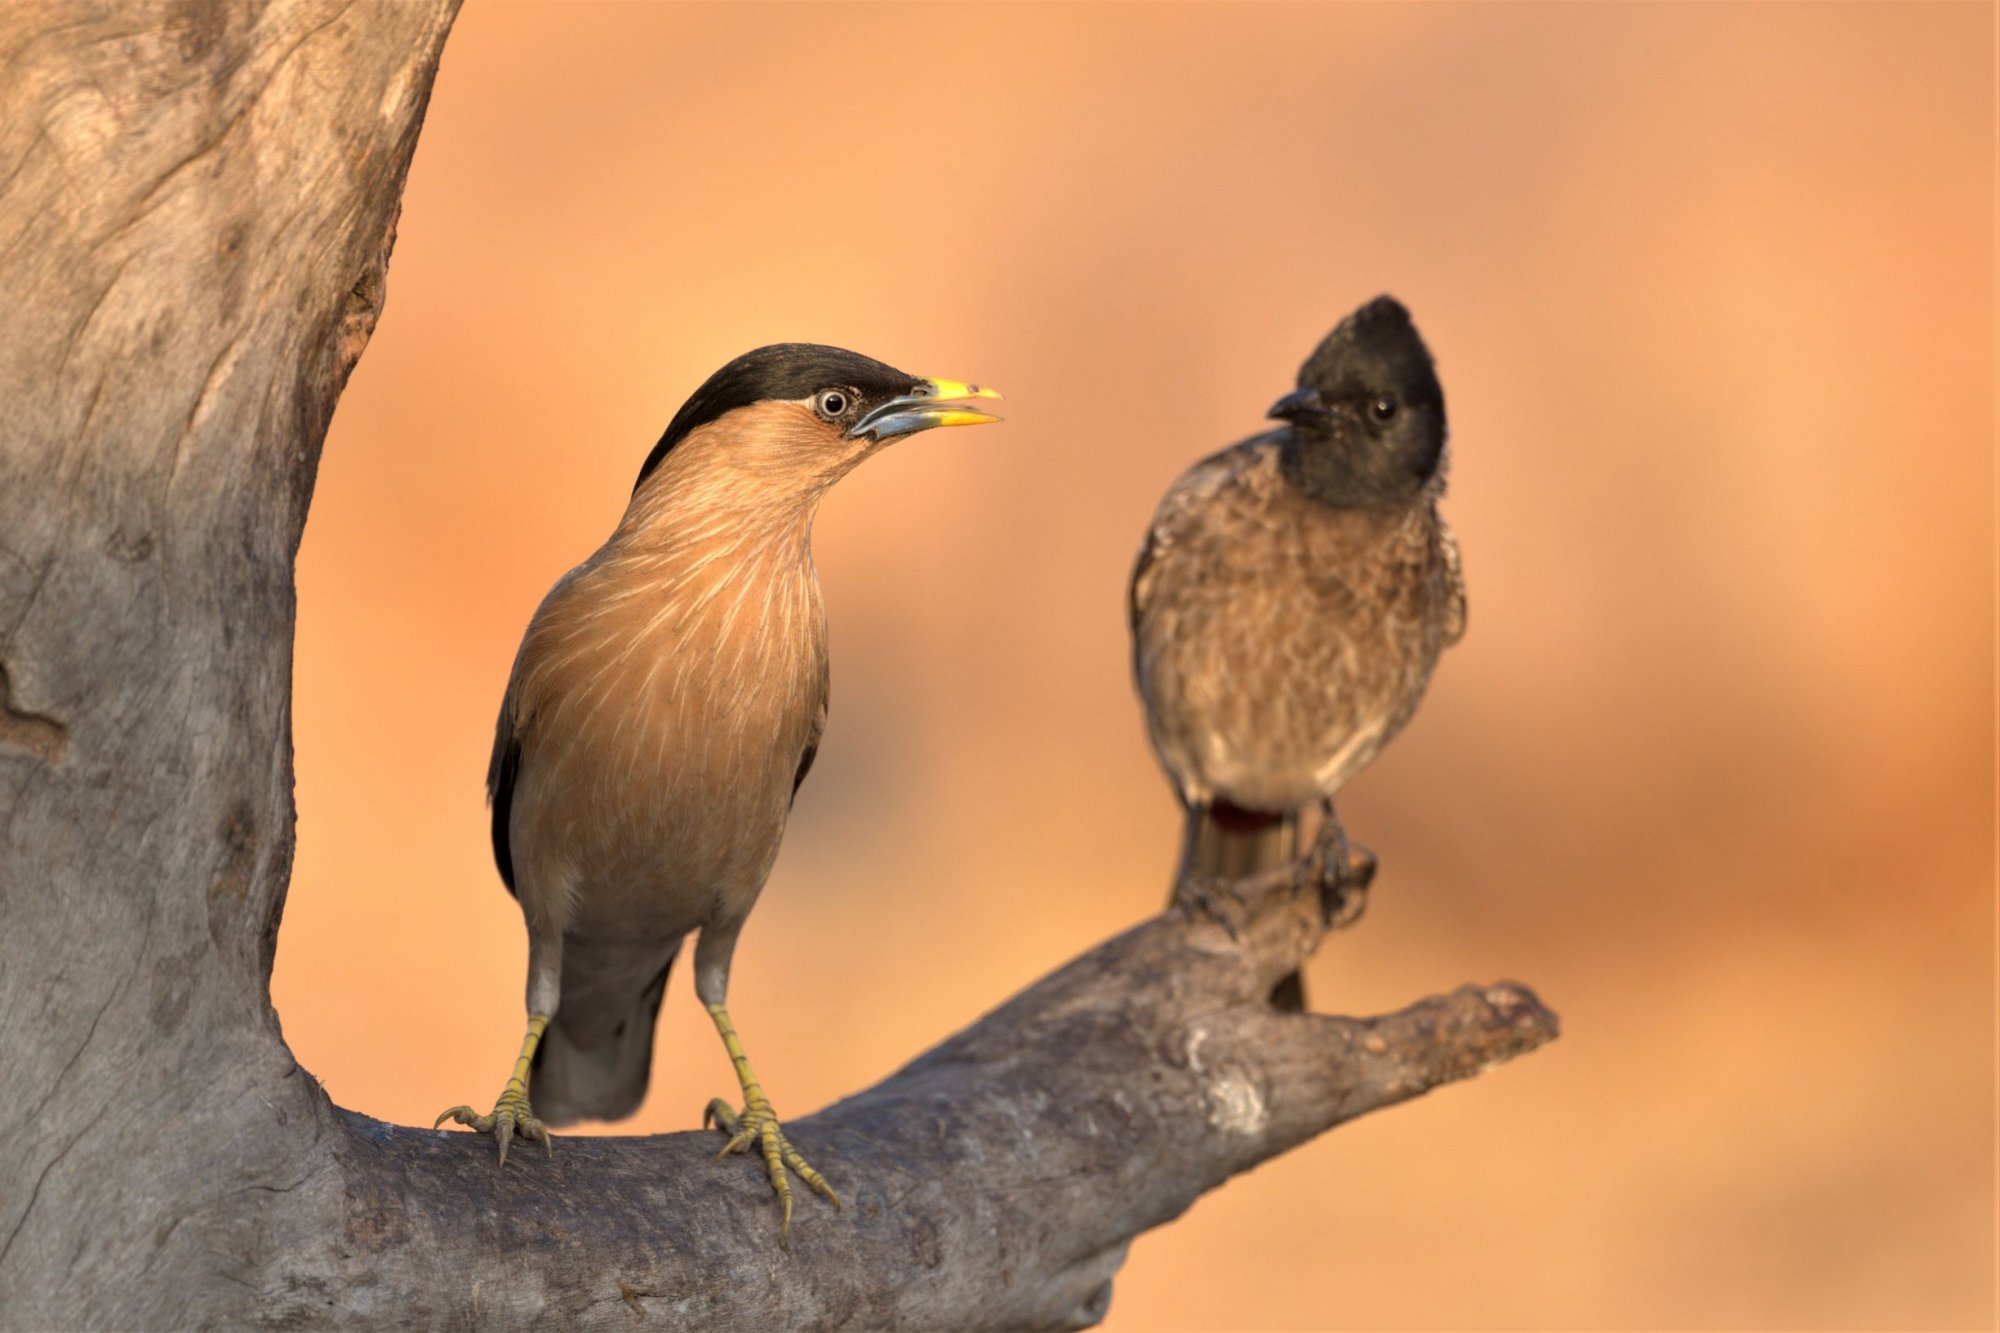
197	203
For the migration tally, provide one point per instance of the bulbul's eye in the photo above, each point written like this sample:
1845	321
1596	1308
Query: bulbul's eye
1383	409
832	403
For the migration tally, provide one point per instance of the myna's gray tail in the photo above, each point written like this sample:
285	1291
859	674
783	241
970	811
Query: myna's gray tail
597	1056
1224	841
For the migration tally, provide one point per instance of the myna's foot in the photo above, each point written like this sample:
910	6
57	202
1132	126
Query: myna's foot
759	1124
511	1114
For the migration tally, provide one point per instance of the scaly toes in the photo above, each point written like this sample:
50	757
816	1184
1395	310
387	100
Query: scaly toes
812	1178
758	1124
723	1116
513	1117
774	1164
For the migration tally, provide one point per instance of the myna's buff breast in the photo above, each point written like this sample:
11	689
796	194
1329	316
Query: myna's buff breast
666	691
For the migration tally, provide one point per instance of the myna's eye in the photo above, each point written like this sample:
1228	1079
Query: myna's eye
831	403
1383	409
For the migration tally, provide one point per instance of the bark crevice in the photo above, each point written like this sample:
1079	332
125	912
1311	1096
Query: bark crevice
43	737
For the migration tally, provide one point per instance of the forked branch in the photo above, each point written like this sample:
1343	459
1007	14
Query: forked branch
196	203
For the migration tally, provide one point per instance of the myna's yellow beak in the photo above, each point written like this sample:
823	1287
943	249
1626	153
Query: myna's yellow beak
929	403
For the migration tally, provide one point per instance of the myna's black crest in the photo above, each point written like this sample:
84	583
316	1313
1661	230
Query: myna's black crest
843	386
1368	423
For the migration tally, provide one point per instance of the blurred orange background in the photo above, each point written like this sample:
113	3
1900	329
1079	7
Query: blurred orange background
1711	293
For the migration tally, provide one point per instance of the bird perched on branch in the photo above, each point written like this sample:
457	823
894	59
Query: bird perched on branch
1293	595
665	705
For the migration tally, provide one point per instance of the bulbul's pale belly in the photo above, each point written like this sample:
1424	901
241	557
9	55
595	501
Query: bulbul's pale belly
1271	703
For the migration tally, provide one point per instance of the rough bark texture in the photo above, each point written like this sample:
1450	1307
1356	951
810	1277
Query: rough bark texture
196	208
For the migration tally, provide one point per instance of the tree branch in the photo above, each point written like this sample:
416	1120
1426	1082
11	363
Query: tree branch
196	207
995	1182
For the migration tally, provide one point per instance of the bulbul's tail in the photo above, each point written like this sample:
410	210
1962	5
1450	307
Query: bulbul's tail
1225	841
597	1056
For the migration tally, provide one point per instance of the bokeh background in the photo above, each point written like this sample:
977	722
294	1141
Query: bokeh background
1711	291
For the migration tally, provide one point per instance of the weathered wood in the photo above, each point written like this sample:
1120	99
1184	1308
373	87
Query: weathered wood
196	207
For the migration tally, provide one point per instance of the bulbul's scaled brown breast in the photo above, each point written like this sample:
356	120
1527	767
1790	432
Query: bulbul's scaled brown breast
1281	641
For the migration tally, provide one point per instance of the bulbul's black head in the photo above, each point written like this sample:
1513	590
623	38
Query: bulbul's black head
856	396
1368	417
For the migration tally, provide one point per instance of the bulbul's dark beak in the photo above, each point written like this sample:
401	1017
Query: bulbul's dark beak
930	403
1299	405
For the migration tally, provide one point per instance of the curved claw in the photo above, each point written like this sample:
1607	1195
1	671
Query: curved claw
464	1115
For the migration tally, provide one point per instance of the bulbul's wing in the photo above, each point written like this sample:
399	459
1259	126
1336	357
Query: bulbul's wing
1454	609
1180	509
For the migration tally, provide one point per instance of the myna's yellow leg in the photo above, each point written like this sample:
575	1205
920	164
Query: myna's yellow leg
759	1124
511	1114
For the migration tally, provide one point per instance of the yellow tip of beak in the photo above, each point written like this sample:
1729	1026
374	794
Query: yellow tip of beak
951	391
961	416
